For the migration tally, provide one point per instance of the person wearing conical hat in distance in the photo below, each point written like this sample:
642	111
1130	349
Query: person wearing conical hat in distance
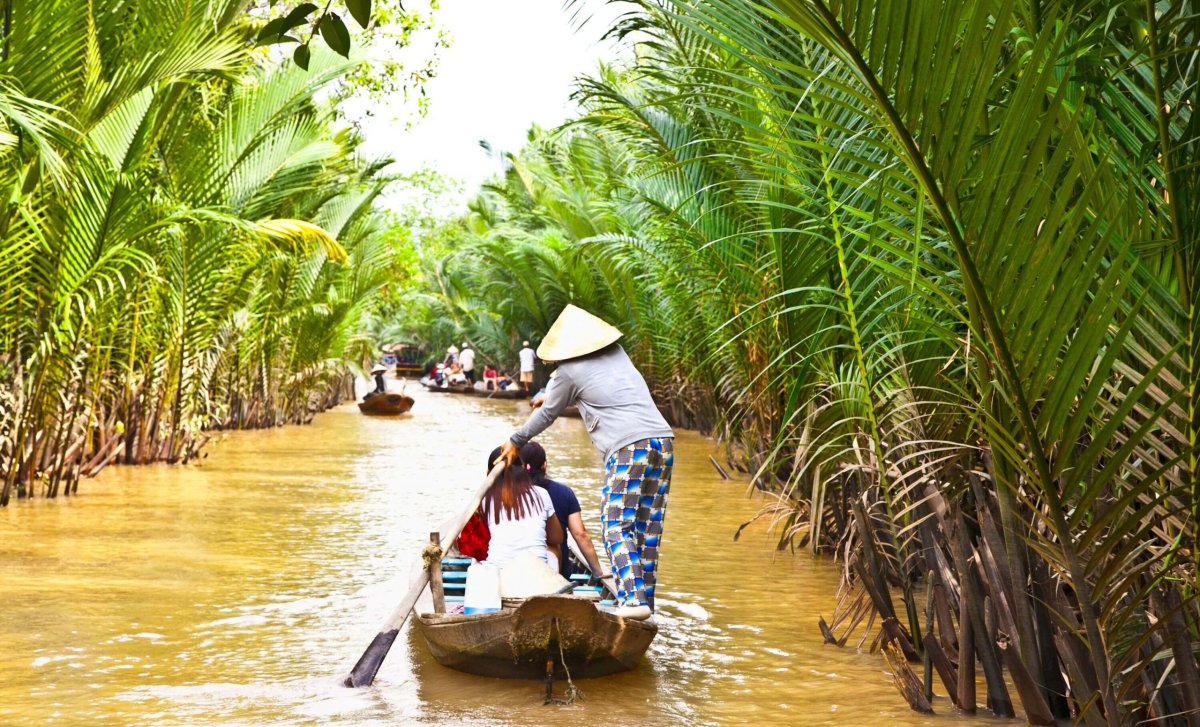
451	356
595	374
526	356
380	386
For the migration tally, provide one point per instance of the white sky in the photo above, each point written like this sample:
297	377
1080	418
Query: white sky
511	64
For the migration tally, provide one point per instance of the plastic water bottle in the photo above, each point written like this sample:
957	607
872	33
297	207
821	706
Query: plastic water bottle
483	589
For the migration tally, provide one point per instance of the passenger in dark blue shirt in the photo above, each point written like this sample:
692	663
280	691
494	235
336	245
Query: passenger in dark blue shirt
566	507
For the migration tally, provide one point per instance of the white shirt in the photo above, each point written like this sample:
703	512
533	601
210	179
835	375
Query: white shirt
512	537
467	359
527	359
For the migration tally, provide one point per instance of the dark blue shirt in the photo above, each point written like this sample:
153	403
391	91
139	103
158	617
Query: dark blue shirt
565	505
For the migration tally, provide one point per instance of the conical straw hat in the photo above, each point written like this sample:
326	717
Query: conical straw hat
377	369
576	333
527	575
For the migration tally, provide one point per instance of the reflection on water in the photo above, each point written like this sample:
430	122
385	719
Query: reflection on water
241	590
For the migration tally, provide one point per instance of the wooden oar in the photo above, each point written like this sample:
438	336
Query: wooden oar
368	664
606	581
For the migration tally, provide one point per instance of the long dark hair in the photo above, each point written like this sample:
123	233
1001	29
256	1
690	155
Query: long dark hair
512	494
534	458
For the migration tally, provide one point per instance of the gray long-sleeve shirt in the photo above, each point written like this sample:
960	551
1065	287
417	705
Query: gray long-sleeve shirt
612	397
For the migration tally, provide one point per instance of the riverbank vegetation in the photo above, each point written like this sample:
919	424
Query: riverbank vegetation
929	270
188	237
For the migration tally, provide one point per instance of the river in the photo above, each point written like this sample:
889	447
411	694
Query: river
240	590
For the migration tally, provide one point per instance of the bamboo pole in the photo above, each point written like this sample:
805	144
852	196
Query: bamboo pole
435	576
363	673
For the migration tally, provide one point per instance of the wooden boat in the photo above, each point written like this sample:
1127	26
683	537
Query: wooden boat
429	384
405	370
517	393
538	638
386	404
568	411
519	642
404	359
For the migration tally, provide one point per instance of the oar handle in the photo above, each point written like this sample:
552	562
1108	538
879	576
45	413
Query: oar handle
606	581
368	664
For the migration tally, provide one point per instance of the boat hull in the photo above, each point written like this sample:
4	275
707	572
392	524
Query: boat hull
568	411
517	643
429	384
386	404
499	394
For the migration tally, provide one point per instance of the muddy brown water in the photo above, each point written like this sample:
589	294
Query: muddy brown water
241	590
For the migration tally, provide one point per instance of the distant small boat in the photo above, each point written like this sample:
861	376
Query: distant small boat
568	411
404	359
431	385
518	642
386	404
516	393
405	370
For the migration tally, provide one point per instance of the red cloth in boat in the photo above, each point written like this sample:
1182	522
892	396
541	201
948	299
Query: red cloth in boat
474	539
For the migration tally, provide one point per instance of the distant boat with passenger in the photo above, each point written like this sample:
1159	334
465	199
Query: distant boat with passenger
386	404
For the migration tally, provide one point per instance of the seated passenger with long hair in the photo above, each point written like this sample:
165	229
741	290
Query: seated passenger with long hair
520	517
566	508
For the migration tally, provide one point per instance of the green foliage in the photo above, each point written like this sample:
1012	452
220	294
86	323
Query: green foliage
307	21
197	251
400	48
303	23
937	259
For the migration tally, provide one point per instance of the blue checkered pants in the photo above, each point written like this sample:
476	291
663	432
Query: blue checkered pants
633	505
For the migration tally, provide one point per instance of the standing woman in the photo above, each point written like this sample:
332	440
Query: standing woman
596	375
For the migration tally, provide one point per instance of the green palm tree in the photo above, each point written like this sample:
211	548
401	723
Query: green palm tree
939	261
190	240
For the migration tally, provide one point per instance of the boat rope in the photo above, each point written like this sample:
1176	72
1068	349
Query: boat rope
431	555
573	694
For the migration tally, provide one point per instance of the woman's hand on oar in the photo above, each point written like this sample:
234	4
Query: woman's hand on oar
368	664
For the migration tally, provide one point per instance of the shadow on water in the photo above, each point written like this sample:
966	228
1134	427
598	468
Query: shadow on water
241	590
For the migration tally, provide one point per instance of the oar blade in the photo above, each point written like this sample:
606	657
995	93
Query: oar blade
368	664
